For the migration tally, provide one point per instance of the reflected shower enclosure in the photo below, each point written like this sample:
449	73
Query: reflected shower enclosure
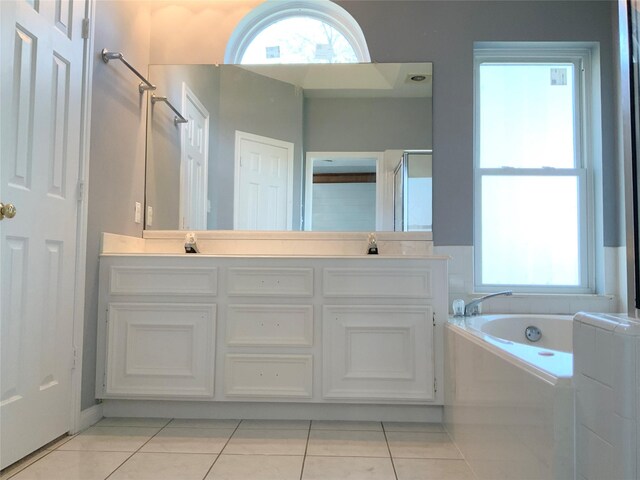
412	192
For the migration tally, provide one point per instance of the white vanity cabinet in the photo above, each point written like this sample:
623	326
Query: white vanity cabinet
273	329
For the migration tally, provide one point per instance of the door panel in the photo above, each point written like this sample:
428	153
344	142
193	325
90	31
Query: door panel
264	186
41	75
194	164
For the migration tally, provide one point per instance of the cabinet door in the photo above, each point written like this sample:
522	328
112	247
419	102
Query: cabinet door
378	353
160	350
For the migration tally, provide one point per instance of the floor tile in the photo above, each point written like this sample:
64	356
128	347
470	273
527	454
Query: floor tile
203	423
432	469
256	467
274	424
267	442
164	466
31	458
347	468
22	464
344	425
421	445
132	422
189	440
110	439
413	427
73	465
347	443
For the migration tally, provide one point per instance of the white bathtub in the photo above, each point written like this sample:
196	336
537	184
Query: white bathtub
509	401
552	354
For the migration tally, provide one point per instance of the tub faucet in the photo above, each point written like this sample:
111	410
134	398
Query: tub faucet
471	308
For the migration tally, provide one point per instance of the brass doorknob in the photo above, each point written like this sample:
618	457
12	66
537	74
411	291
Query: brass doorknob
7	210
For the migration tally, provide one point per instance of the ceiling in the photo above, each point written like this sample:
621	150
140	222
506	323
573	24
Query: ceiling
363	80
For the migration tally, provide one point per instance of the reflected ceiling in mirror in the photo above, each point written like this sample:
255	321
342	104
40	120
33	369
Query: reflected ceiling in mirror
239	163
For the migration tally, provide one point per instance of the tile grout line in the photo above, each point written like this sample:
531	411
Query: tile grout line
222	449
473	472
306	448
139	448
393	464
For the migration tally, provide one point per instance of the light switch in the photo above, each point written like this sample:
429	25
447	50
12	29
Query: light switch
138	213
149	215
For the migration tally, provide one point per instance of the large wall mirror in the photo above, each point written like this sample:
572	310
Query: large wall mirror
290	147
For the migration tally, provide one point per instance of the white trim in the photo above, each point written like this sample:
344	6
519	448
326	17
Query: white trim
586	159
272	411
272	11
89	416
308	183
288	146
81	222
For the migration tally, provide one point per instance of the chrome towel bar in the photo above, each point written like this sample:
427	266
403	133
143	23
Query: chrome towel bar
145	85
178	118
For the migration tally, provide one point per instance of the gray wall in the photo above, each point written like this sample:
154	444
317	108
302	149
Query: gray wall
366	124
236	100
260	105
163	142
117	155
444	32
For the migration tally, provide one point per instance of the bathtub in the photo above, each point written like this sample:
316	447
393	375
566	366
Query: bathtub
509	402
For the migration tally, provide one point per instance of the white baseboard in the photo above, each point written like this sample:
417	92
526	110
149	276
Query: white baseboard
90	416
271	411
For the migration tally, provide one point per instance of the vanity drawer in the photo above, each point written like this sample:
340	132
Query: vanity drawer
270	325
133	280
284	376
285	282
377	282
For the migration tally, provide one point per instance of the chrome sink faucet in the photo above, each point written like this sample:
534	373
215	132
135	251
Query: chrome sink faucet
471	308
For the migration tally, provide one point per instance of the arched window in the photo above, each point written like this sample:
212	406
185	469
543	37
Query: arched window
297	31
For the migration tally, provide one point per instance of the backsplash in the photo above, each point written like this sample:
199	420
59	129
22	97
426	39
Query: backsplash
461	285
273	243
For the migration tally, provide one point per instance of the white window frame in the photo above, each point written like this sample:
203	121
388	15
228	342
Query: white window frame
583	160
273	11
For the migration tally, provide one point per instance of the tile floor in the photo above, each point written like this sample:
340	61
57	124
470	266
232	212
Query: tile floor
179	449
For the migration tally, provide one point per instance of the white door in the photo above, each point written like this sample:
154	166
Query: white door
263	198
42	55
194	163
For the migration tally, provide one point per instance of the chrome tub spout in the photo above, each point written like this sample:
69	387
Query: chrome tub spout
471	308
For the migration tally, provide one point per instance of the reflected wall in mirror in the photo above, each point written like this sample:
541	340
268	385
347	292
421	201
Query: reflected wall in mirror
284	147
